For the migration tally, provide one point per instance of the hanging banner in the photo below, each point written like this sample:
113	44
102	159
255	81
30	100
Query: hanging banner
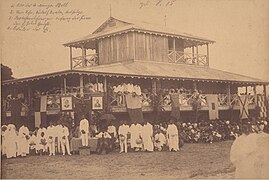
243	106
213	106
43	103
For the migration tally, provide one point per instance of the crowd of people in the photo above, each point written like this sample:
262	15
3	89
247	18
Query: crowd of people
143	136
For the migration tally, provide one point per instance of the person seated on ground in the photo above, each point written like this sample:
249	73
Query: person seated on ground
123	131
93	129
159	140
104	142
41	145
32	143
111	129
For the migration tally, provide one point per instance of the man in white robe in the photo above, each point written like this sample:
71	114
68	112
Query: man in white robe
123	131
50	134
172	137
136	140
64	133
11	141
147	136
84	129
23	144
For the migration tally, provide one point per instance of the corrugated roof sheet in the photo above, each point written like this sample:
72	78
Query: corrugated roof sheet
149	69
170	70
139	26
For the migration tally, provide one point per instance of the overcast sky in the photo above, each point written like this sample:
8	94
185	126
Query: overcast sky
239	27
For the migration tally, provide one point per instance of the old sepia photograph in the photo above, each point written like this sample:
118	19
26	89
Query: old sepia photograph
134	89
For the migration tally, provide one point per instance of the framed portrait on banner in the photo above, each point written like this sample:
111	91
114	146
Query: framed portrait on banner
97	103
66	103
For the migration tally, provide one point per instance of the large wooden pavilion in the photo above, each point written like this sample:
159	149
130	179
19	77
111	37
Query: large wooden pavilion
156	59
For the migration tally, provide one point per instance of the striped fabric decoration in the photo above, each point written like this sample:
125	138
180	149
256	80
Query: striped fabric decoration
261	106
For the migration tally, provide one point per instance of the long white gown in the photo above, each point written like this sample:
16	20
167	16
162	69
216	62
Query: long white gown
11	141
147	134
23	144
172	137
135	131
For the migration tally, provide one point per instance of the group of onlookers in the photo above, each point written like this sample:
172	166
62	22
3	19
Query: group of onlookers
136	136
23	142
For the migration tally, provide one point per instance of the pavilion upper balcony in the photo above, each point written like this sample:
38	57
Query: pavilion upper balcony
85	61
187	58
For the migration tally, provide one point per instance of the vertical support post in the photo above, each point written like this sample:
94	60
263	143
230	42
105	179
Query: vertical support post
83	56
193	56
174	49
96	80
134	45
229	95
106	95
71	58
154	86
207	54
255	95
265	99
194	85
246	90
81	85
29	95
197	55
64	85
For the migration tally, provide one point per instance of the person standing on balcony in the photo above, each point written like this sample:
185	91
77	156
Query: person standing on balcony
123	131
172	137
84	129
51	138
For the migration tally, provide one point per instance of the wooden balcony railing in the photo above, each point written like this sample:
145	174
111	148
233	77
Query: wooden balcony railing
187	58
89	60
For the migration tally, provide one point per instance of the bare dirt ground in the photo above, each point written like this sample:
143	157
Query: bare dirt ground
193	161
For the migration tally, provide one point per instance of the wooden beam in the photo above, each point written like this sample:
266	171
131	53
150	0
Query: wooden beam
174	48
207	54
197	55
71	58
134	44
64	85
106	95
265	99
81	85
83	56
255	94
193	57
229	95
